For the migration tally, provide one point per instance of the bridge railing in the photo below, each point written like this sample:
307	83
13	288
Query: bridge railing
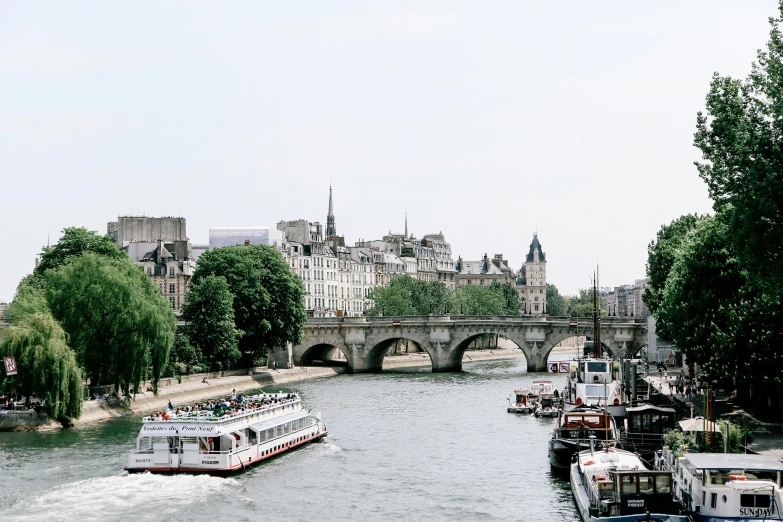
585	322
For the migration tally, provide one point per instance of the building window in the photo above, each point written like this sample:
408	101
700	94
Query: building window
481	283
172	288
172	270
149	270
173	301
536	308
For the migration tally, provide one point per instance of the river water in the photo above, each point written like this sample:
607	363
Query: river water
406	444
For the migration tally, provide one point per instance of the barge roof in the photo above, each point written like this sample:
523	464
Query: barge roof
733	461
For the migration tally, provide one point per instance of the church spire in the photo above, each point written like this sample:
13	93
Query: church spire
331	231
406	225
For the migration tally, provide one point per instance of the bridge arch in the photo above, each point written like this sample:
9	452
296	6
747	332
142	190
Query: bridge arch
323	355
377	347
464	337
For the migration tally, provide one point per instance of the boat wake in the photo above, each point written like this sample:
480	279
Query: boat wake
142	496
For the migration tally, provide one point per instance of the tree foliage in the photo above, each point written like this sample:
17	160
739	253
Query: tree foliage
74	242
268	297
209	315
408	296
117	321
583	305
700	302
555	303
660	257
47	367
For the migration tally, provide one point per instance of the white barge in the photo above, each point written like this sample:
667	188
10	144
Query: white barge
227	438
721	487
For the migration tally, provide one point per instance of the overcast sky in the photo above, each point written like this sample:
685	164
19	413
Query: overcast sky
485	120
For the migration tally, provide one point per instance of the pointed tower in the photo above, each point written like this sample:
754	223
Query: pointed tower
331	231
406	225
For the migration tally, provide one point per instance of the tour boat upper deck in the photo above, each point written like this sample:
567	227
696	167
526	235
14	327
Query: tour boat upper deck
225	435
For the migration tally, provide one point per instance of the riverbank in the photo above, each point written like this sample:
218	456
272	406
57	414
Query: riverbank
182	394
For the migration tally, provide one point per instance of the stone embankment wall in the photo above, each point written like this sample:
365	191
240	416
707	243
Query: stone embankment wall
25	420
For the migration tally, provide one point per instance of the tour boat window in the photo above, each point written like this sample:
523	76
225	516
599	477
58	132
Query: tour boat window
301	423
713	500
703	498
596	367
287	427
628	485
270	434
662	484
754	501
645	485
279	430
262	436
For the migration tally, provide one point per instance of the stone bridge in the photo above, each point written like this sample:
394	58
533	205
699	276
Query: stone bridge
366	340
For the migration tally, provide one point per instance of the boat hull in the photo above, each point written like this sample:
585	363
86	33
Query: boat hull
581	499
240	465
562	451
520	409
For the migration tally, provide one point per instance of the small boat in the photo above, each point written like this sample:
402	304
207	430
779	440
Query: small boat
573	432
228	438
547	406
715	487
614	486
538	387
519	401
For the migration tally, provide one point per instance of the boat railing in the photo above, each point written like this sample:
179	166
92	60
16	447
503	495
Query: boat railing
209	415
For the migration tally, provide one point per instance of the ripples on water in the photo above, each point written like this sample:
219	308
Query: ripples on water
404	445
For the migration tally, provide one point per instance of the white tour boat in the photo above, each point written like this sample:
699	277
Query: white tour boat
718	487
547	406
228	438
614	486
519	401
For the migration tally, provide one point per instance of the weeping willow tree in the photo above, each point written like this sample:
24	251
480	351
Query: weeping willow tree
47	367
117	321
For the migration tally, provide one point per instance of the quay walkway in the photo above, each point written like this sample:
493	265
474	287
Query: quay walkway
768	436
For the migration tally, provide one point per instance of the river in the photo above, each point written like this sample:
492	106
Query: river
406	444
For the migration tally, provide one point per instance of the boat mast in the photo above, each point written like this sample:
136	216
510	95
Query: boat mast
596	317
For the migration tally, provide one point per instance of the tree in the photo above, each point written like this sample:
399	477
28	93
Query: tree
183	356
511	303
405	295
47	367
660	257
739	137
268	298
479	300
30	299
583	305
555	303
700	308
74	242
117	321
209	314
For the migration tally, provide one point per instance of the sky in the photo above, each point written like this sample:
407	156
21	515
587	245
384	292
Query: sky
487	121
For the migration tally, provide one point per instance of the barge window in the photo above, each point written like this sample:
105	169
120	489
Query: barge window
645	485
628	484
757	501
662	484
596	367
713	500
